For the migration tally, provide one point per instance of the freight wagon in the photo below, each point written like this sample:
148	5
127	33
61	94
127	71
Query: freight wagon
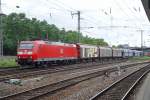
88	52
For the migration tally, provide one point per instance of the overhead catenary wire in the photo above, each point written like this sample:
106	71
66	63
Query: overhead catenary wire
87	17
134	12
91	19
75	9
96	22
58	5
141	10
121	9
66	5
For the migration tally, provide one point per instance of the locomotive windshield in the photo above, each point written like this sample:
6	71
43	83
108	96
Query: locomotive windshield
26	46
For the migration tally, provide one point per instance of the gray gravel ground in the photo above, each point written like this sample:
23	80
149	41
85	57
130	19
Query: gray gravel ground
86	89
34	82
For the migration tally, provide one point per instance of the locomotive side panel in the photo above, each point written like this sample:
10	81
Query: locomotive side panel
57	52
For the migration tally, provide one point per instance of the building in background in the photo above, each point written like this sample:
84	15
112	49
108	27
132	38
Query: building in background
146	50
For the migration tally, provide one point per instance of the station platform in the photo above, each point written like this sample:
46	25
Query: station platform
143	92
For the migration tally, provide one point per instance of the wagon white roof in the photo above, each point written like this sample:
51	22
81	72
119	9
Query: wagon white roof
117	49
87	46
105	47
60	44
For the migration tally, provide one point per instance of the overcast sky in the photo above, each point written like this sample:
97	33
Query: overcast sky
121	25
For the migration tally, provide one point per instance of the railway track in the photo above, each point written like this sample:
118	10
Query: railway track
22	73
6	71
52	88
120	89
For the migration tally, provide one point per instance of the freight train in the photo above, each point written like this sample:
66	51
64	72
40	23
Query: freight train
40	52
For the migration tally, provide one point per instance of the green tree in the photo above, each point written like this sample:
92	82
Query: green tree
17	27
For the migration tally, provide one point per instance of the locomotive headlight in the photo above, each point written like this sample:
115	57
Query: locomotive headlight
19	52
29	52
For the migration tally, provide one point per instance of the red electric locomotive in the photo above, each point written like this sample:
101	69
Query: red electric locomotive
43	52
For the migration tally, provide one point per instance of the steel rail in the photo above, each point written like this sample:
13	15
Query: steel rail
51	88
35	72
133	86
95	97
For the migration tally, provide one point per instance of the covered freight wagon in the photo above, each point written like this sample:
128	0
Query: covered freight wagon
125	53
88	51
105	52
117	52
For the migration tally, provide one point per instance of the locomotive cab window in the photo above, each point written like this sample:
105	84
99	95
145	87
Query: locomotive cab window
26	46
